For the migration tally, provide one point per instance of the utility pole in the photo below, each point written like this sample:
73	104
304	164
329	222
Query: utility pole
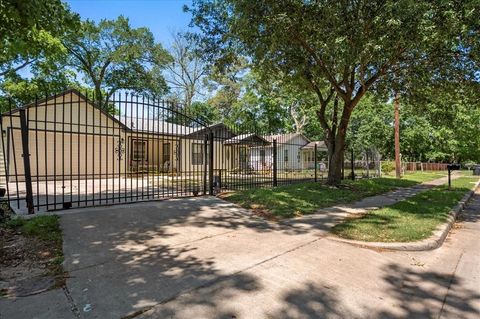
396	106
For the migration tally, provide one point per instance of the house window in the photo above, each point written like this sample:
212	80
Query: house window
197	154
166	152
285	155
139	150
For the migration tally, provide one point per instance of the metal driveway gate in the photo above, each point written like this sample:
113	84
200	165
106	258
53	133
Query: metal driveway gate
70	150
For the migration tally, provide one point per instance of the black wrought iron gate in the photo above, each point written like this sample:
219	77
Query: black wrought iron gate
70	150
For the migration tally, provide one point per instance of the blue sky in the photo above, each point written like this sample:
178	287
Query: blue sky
160	16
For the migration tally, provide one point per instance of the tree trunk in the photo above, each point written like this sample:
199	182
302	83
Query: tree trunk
337	148
98	98
335	168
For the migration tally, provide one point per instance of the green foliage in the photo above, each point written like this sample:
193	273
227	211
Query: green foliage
31	31
204	113
18	91
434	126
113	56
353	48
388	167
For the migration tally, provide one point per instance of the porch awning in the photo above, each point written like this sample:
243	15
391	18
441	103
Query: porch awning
219	130
247	139
320	146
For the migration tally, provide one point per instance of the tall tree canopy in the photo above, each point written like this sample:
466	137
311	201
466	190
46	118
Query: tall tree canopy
186	72
32	30
113	56
336	48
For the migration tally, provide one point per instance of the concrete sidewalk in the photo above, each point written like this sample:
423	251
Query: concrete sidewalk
328	217
206	258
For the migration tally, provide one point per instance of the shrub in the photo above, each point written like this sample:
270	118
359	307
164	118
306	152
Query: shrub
388	167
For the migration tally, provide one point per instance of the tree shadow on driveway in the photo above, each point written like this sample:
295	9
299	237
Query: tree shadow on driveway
125	259
428	294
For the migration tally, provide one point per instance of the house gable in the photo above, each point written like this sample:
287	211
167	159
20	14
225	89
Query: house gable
69	111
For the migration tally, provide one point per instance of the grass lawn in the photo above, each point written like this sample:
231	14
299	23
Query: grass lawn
305	198
412	219
419	176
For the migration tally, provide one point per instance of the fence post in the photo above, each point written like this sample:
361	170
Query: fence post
210	164
205	165
274	154
315	161
352	164
26	161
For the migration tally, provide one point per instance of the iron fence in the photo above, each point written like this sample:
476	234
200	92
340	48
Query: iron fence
70	150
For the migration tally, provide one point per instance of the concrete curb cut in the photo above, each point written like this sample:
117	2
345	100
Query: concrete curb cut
435	241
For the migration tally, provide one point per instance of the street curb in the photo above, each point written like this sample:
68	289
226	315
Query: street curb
435	241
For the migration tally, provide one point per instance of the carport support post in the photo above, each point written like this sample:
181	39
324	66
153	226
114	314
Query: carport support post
210	163
274	155
315	161
26	161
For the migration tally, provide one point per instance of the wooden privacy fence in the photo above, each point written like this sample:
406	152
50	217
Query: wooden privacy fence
419	166
388	166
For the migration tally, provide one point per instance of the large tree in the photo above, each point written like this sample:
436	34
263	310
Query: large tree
31	31
337	49
114	56
185	74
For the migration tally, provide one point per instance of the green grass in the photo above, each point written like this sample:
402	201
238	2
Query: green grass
420	177
46	228
412	219
306	198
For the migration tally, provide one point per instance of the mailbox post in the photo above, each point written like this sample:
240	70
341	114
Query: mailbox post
450	168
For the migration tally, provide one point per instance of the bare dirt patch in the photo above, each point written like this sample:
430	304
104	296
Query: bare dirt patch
29	264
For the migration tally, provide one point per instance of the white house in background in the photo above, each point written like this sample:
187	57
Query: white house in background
294	152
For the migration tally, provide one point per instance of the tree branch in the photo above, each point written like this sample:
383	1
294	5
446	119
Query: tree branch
321	64
21	66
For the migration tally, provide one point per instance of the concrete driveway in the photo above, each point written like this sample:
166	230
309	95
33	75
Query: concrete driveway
205	258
